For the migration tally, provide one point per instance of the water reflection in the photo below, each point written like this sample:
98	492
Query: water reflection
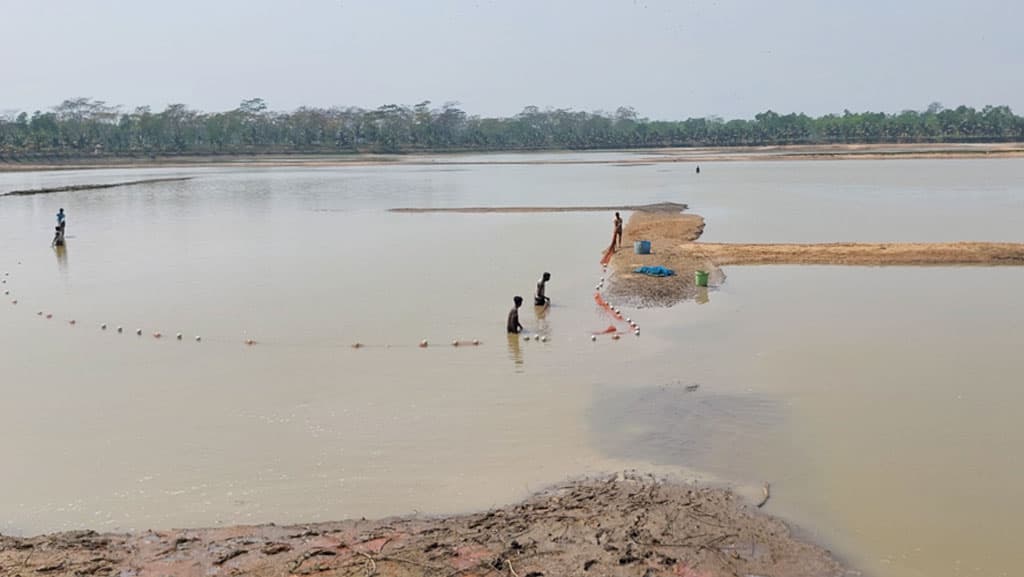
515	352
62	258
702	297
542	319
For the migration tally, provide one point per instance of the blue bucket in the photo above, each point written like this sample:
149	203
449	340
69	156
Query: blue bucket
642	247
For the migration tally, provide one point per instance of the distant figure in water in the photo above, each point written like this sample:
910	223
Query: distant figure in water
513	316
540	299
698	169
617	236
58	236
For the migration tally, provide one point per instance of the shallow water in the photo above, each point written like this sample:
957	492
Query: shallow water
879	402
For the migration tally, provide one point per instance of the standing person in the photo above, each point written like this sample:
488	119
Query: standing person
58	233
617	237
540	299
513	324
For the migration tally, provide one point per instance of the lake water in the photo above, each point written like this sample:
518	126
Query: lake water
883	404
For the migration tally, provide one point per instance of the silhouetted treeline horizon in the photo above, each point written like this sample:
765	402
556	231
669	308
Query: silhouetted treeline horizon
84	127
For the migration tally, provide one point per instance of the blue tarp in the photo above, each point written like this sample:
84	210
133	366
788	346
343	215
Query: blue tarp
655	271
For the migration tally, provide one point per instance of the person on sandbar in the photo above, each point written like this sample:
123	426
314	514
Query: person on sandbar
513	316
540	299
617	235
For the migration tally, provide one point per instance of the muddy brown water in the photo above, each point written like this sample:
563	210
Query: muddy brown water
882	404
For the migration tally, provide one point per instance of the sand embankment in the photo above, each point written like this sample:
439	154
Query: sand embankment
79	187
674	236
627	525
863	254
666	207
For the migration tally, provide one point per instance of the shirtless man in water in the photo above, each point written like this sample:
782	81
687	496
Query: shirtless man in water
513	316
617	236
540	299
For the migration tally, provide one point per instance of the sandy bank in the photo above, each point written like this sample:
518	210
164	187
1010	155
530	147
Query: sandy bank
627	525
867	254
639	157
670	235
673	237
669	207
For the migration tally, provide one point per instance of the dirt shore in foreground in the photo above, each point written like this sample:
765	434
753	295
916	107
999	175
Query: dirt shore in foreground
625	525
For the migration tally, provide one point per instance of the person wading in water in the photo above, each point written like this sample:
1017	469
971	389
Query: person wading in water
513	324
540	299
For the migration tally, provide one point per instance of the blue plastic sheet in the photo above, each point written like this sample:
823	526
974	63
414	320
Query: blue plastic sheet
655	271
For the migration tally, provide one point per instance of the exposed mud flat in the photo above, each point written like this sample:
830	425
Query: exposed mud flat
661	207
624	525
79	187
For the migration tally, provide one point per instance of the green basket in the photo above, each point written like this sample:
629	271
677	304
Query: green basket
700	277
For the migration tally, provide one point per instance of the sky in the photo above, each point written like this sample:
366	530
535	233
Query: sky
668	59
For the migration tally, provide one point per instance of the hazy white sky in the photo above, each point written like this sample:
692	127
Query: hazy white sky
667	58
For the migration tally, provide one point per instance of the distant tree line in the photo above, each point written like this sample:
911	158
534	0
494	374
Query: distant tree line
83	127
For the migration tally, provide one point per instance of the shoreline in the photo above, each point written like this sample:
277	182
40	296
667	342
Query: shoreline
644	156
627	524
